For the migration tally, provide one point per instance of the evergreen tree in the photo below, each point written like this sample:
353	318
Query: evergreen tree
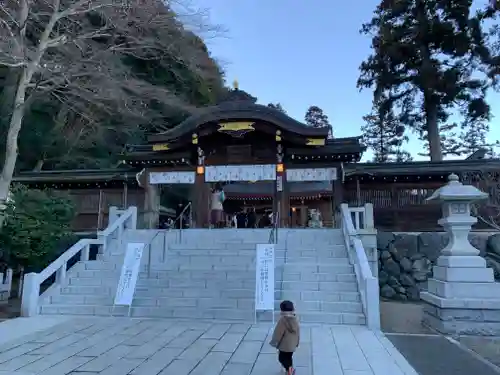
473	138
316	118
277	106
425	59
448	140
383	134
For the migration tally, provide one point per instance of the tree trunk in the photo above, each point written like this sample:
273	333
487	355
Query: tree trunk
11	144
433	138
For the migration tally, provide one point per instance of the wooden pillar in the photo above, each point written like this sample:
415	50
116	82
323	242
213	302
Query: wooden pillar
338	197
199	200
282	204
199	196
151	205
100	210
395	207
125	195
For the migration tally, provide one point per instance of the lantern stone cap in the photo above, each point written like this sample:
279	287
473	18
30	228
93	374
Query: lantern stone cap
454	190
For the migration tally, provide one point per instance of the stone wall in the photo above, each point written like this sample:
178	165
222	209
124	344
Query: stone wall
406	260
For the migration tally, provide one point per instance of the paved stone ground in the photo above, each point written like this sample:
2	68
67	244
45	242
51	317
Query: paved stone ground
435	354
121	346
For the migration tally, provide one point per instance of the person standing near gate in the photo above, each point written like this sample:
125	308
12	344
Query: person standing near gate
216	205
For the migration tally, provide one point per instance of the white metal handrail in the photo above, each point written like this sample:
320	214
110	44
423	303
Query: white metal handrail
180	217
127	219
367	283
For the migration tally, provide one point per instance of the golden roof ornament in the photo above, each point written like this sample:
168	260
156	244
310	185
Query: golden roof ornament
236	85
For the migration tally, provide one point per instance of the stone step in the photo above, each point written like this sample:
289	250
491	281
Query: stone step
221	275
329	307
206	303
332	318
195	313
88	290
326	253
319	286
340	265
175	274
314	295
148	312
334	265
330	277
165	283
198	293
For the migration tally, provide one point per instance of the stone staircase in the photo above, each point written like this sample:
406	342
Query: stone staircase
210	274
318	277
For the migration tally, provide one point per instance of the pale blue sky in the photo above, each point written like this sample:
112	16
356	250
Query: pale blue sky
301	53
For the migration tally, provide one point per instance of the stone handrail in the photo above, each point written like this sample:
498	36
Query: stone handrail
119	221
122	219
367	283
362	216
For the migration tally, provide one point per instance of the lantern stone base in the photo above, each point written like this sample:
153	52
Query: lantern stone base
462	316
463	297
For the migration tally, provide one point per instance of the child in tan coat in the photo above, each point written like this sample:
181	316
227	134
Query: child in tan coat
286	336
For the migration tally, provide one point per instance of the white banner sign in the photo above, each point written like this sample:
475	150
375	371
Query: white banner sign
311	174
264	278
259	172
130	273
156	178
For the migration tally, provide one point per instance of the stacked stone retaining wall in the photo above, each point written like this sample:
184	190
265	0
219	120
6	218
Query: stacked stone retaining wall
406	260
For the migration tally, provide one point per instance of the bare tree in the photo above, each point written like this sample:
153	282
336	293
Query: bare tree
73	51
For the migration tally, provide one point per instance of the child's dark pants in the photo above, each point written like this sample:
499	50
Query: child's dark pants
285	359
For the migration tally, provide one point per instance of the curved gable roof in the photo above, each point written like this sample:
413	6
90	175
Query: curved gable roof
239	110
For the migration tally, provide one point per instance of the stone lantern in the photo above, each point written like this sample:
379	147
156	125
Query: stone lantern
462	296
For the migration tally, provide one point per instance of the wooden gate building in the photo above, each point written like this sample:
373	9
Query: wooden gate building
263	153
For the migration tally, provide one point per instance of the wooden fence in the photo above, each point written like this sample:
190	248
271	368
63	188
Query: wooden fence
403	206
92	206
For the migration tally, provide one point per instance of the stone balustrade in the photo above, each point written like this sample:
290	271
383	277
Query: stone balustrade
119	221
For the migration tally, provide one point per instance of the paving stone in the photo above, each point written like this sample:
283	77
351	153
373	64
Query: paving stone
325	359
238	328
124	346
110	358
17	351
266	363
350	354
212	364
148	349
237	369
21	361
65	366
185	339
143	337
198	350
247	352
229	342
103	346
60	344
256	334
179	367
157	362
124	366
216	331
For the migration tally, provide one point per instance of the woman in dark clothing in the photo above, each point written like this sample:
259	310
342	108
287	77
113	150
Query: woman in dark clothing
251	218
264	221
241	219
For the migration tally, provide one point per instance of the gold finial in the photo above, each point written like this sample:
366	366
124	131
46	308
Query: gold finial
235	84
